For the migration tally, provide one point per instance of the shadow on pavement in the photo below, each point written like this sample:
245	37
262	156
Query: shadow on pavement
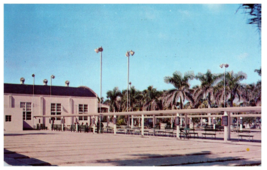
24	134
15	159
204	158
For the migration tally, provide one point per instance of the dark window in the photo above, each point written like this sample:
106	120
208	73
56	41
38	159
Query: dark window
83	109
27	113
56	110
8	118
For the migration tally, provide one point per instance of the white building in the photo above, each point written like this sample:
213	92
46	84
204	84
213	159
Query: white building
22	102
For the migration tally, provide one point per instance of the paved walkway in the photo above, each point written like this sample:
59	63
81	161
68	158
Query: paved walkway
87	149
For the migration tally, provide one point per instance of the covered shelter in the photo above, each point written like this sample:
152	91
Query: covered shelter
186	113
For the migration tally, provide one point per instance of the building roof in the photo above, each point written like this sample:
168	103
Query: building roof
45	90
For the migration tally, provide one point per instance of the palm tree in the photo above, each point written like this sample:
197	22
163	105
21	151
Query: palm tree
135	97
152	99
251	93
205	90
113	99
258	71
181	90
233	87
100	101
254	10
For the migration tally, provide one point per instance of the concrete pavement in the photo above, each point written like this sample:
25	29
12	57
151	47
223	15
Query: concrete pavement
87	149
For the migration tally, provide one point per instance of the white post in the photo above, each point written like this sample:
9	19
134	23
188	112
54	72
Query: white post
132	122
227	128
171	122
115	126
201	121
214	125
191	123
209	123
93	122
178	129
143	122
229	123
77	126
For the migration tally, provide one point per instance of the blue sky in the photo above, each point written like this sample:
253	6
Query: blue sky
60	39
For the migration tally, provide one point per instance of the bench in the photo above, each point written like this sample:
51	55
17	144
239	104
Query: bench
169	132
247	134
209	132
147	132
192	132
121	130
187	132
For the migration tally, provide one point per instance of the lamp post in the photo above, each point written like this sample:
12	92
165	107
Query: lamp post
128	54
226	128
100	49
225	66
52	77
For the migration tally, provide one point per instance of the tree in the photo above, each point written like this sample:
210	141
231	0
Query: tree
258	71
135	97
100	101
205	90
254	10
113	97
251	94
181	90
152	99
232	87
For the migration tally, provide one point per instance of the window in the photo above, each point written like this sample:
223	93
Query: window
83	109
8	118
27	110
55	110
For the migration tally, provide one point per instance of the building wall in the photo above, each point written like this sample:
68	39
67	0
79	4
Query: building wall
41	105
15	124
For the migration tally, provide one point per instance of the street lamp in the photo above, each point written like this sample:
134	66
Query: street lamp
52	77
128	54
100	49
225	66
